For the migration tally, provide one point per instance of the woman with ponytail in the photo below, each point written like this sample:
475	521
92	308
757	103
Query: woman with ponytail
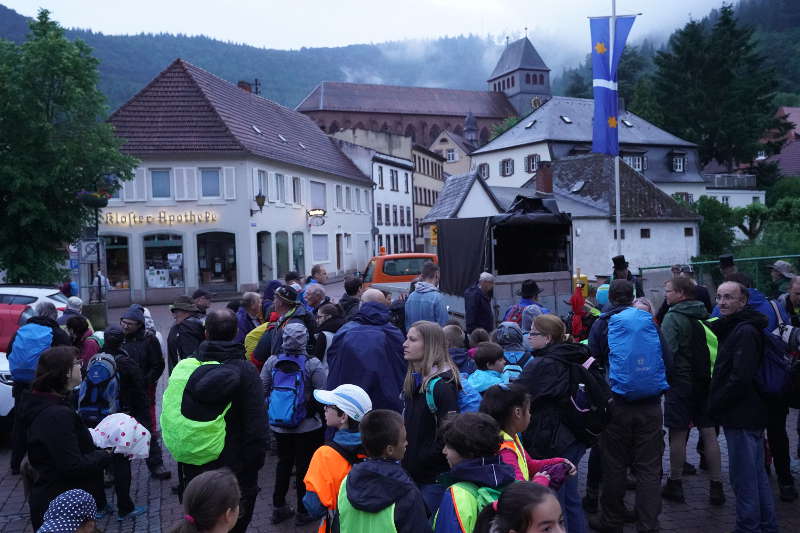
210	503
547	380
524	507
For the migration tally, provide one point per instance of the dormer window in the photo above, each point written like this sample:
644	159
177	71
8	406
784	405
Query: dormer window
532	162
678	163
483	170
636	162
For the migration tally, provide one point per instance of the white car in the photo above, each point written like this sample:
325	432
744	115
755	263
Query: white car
6	399
31	295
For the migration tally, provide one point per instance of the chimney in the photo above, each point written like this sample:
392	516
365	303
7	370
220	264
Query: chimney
544	178
245	86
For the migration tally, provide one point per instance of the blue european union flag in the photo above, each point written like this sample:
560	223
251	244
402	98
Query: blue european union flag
605	59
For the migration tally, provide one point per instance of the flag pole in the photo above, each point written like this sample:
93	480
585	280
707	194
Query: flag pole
616	157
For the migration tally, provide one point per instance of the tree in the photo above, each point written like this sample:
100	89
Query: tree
751	219
53	144
716	235
644	102
507	124
788	187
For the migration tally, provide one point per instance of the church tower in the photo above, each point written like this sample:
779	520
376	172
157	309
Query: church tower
522	76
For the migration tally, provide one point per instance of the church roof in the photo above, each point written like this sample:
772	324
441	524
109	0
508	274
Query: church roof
186	109
546	124
367	98
518	55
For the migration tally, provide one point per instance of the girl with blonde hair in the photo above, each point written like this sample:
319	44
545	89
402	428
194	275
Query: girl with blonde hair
431	392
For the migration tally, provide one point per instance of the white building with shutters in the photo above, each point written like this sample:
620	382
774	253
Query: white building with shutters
191	219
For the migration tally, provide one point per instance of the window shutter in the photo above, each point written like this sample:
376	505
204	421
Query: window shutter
273	188
128	194
644	162
179	179
255	183
140	185
229	183
190	179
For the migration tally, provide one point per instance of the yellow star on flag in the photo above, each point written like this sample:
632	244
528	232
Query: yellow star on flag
612	122
600	48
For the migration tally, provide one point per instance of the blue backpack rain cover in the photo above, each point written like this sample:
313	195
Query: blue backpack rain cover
30	342
98	395
287	399
515	362
636	365
469	399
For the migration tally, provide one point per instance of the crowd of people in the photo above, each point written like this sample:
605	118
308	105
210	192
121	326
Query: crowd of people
393	416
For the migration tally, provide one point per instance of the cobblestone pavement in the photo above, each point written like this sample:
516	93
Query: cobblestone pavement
695	516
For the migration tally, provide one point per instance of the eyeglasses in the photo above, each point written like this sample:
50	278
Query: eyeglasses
535	334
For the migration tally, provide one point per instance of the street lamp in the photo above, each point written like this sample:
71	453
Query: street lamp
260	200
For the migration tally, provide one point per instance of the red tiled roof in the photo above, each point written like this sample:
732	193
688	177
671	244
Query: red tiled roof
187	109
365	98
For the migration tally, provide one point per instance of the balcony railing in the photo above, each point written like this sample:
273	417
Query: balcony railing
730	181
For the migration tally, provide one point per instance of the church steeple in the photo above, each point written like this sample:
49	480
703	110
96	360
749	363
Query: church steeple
471	129
522	76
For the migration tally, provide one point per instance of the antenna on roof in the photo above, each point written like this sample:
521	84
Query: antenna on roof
526	32
506	41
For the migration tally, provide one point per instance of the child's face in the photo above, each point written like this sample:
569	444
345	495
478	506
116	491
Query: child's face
498	365
546	518
453	457
398	451
522	417
333	419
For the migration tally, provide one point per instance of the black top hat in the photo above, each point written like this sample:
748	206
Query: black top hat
287	293
619	262
726	260
529	289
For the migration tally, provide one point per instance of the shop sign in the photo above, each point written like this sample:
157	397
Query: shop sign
162	218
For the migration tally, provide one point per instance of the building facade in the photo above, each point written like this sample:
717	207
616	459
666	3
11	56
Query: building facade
455	149
429	181
392	184
209	154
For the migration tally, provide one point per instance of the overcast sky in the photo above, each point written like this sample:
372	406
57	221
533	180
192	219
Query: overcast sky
312	23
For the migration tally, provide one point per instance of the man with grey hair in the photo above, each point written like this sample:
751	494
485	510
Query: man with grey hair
74	308
478	304
315	297
248	316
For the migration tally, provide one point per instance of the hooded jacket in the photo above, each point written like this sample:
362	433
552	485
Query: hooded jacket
424	459
509	336
368	352
212	387
183	339
734	401
374	485
425	303
478	309
270	342
60	449
245	324
349	305
145	349
685	340
547	381
268	297
462	360
488	472
87	346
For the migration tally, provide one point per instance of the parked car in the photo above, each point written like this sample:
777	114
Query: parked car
12	317
395	268
31	295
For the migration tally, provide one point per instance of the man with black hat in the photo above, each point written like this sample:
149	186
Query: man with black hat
202	299
621	271
186	333
145	349
726	265
528	293
289	309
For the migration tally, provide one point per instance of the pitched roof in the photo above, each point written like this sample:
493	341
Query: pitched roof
575	205
518	55
546	124
793	117
460	141
591	177
366	98
452	197
788	159
187	109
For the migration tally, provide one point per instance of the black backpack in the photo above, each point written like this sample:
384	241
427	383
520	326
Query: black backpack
586	412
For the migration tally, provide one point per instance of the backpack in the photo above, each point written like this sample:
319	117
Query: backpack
287	399
194	442
586	412
469	400
636	364
99	339
514	314
98	395
776	372
30	342
516	361
467	513
789	334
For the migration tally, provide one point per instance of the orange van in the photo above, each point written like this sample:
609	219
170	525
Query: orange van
393	268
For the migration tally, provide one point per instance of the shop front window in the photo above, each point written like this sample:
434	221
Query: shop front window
117	262
163	261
